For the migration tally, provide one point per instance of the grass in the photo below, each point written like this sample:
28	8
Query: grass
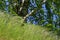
11	29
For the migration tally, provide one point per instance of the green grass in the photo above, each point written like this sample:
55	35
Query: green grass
11	29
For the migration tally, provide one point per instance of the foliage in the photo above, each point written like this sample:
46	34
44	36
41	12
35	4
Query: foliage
45	12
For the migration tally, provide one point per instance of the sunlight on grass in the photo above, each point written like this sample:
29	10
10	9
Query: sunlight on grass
11	29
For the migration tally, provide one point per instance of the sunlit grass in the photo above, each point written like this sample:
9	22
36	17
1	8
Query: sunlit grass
11	29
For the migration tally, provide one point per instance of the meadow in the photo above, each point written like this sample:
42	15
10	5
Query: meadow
11	28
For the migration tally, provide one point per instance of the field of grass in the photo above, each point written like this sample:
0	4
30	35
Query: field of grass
11	29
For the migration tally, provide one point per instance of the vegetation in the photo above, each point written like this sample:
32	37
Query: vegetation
47	10
11	28
17	13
